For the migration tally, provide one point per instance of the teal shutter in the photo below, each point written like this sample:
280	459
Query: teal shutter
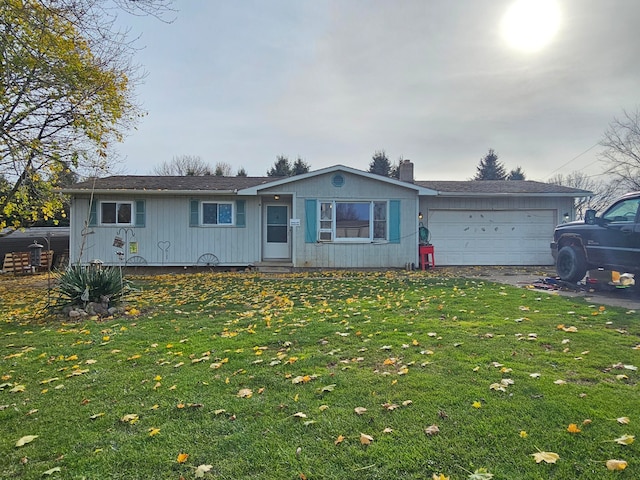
394	221
241	217
194	217
140	213
310	221
93	212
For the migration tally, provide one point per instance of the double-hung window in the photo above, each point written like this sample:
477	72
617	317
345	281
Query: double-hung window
353	221
217	213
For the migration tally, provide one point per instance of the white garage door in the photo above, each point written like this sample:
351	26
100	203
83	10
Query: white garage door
489	237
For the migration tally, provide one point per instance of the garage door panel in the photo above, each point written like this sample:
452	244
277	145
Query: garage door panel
505	237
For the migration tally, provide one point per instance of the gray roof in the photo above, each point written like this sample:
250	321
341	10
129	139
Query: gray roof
213	183
500	187
169	183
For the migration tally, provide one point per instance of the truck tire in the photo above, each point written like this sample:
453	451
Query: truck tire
571	264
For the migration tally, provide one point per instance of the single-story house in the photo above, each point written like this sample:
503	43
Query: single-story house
335	217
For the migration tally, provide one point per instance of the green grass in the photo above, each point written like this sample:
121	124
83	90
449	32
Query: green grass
426	347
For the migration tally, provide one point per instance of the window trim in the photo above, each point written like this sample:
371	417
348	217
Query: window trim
132	218
330	234
218	203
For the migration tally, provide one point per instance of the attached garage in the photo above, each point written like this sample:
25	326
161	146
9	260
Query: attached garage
492	237
495	222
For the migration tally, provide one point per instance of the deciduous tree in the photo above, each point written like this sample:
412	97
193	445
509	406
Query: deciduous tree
604	191
66	95
184	166
621	152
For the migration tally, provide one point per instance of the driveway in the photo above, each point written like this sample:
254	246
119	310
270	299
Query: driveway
532	277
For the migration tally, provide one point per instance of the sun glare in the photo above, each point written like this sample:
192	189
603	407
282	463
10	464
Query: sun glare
530	25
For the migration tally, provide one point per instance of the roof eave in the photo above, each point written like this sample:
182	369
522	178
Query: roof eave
130	191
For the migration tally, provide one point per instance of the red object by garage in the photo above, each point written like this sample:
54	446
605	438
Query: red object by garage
427	251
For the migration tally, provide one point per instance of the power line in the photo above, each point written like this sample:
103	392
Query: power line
574	158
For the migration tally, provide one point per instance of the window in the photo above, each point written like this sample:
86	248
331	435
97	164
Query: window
352	221
116	213
624	211
217	213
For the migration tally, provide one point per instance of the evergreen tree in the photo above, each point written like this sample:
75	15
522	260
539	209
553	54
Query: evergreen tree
281	167
299	167
516	174
241	172
490	168
380	164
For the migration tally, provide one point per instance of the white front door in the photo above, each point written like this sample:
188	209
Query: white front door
276	244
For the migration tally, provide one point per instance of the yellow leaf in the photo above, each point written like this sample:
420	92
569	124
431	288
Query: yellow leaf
476	404
339	440
153	431
523	434
18	389
547	457
623	420
26	439
157	378
182	457
365	439
616	465
130	418
625	439
97	415
573	428
300	415
439	477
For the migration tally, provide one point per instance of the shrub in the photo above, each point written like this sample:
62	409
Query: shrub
80	284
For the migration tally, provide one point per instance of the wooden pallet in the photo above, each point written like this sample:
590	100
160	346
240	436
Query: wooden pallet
20	262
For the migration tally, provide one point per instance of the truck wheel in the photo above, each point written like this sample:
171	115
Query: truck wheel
571	264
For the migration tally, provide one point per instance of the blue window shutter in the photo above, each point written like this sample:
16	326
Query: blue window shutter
241	216
394	221
140	213
93	212
194	214
310	221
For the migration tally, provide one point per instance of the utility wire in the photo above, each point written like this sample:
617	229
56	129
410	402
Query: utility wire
574	158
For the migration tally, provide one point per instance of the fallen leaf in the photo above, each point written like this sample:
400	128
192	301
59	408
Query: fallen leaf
360	410
97	415
300	415
339	440
365	439
432	430
622	420
616	465
52	470
435	476
245	393
476	404
547	457
573	428
182	457
480	474
625	439
523	434
26	439
202	469
153	431
130	418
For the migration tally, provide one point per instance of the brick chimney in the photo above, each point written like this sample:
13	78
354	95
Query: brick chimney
405	170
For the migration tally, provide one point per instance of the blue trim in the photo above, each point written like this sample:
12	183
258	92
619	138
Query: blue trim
194	213
394	221
241	216
140	213
310	221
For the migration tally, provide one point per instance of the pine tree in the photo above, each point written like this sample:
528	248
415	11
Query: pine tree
380	164
490	168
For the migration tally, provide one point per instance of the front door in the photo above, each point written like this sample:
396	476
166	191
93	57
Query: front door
276	233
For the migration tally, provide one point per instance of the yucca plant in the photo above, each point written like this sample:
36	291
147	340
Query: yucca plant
79	284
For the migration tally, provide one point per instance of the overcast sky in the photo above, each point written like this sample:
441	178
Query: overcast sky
334	81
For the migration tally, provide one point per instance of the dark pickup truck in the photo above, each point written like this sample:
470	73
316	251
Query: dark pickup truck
610	241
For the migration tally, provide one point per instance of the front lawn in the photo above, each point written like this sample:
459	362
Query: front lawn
319	376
